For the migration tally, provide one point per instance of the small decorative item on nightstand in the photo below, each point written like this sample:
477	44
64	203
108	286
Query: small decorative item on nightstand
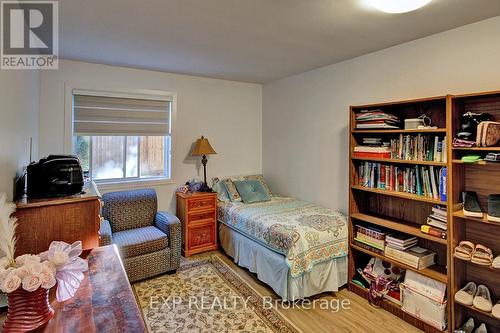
197	212
203	148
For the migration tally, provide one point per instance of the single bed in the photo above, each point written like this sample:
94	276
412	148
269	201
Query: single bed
297	248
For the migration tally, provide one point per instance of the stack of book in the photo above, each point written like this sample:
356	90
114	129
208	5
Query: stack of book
419	148
400	241
372	237
376	119
373	148
416	256
419	180
436	222
372	152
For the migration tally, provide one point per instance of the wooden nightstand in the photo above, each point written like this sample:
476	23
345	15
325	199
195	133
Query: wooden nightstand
198	214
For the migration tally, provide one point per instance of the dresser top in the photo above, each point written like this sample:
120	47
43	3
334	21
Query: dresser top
90	192
195	194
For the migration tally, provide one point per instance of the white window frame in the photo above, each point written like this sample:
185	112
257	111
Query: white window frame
111	91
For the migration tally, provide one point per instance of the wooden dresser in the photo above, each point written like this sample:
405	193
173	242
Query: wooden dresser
72	218
198	214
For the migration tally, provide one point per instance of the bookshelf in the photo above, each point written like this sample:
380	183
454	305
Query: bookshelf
483	178
402	212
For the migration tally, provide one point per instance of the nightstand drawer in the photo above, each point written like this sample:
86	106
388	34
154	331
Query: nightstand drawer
201	203
200	217
202	235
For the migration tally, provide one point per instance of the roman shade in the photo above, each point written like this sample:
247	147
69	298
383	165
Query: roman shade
116	116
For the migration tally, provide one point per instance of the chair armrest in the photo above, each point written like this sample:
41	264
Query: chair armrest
171	226
105	233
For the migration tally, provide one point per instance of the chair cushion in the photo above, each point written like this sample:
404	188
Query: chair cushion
130	209
136	242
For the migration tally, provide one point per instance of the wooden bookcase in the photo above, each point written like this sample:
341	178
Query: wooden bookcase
405	212
483	178
398	211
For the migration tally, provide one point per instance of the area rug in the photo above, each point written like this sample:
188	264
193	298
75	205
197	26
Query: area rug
206	296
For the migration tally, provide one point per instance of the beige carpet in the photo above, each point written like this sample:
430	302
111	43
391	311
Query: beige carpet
206	296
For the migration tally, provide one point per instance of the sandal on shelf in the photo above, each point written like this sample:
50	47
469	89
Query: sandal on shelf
496	263
482	300
464	250
466	295
496	310
482	255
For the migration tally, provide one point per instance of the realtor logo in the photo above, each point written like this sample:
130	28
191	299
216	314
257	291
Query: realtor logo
29	35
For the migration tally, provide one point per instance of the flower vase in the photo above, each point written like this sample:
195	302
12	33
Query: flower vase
27	311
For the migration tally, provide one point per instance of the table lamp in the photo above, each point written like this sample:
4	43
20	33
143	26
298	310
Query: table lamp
203	148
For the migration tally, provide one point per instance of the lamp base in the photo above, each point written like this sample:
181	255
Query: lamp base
205	188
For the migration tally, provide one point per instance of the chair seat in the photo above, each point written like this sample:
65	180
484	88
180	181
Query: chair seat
136	242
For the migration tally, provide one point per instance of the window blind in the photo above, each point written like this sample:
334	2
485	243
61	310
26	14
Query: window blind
104	116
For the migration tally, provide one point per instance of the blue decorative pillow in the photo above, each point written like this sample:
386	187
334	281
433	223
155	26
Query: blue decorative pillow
251	191
221	190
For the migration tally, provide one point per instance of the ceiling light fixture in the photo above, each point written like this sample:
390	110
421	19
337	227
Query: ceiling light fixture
398	6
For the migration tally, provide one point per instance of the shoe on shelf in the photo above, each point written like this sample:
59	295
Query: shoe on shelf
482	255
466	295
496	263
464	250
494	207
496	310
471	204
482	299
481	329
467	327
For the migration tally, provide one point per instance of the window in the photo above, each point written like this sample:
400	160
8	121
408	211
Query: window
122	138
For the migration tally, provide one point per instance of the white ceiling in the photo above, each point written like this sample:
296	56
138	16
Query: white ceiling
246	40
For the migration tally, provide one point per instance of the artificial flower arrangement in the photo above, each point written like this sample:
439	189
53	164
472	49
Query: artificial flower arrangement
32	275
61	264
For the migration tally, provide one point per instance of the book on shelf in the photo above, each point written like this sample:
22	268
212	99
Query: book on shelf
419	180
418	148
372	232
442	184
376	119
372	155
380	245
368	247
370	236
371	149
438	218
436	232
437	224
416	256
400	241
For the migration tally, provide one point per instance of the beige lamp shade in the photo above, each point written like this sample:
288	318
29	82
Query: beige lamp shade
202	147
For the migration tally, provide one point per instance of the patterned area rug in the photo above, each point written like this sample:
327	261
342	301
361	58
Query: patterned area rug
206	296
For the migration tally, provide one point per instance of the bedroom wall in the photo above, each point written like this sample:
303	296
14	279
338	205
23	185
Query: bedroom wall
305	117
228	113
19	94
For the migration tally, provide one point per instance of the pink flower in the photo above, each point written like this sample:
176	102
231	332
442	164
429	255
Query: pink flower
22	271
31	282
48	278
26	258
11	282
33	267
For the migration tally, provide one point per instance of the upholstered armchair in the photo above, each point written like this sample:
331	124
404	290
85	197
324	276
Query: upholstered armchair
149	241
